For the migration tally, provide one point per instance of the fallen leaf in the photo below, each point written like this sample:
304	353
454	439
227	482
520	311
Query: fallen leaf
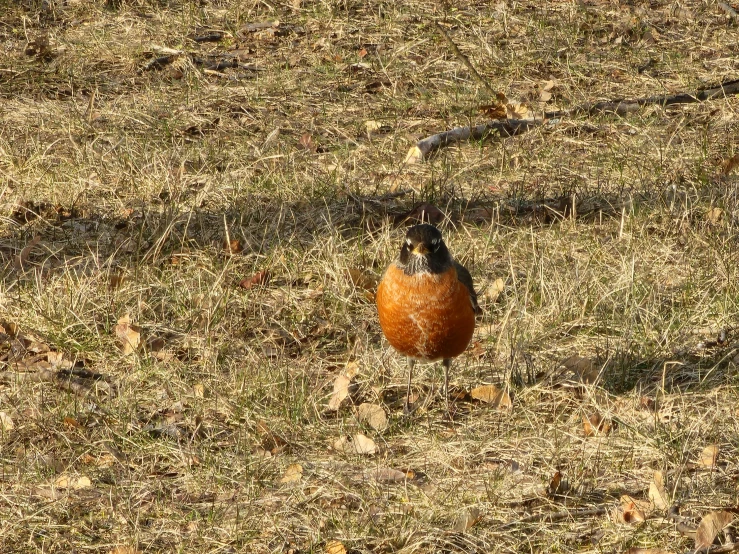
74	483
232	246
710	526
6	423
260	278
335	547
493	291
584	368
362	53
545	96
709	456
388	475
198	390
557	485
293	473
270	442
129	335
373	415
340	392
629	511
596	424
362	279
116	280
358	444
22	258
636	550
466	519
714	215
414	156
657	493
729	164
306	142
490	394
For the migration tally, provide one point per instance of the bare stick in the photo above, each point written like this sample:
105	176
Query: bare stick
510	127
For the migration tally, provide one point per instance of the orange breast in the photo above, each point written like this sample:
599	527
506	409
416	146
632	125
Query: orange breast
425	316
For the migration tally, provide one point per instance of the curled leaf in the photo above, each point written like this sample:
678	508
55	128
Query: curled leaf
710	526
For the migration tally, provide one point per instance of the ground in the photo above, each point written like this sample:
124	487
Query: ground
198	198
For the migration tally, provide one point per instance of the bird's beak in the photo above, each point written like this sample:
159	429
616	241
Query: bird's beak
421	249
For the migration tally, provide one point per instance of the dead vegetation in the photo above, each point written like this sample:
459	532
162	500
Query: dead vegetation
197	200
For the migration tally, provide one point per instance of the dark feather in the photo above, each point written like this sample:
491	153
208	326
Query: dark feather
465	278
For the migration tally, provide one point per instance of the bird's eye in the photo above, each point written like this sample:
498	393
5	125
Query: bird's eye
435	243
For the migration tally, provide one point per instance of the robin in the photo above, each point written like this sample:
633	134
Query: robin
427	303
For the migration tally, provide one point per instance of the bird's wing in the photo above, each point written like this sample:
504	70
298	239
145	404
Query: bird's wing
466	279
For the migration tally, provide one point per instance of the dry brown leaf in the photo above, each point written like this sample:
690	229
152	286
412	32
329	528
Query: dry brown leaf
596	424
358	444
232	246
414	155
374	415
198	390
499	398
729	164
710	526
22	258
388	475
708	456
116	280
714	215
129	335
340	393
74	483
630	511
271	443
493	291
362	279
6	423
306	142
466	519
335	547
293	473
584	368
657	492
260	278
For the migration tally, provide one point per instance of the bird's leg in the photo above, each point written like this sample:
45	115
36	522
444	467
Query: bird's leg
446	363
407	407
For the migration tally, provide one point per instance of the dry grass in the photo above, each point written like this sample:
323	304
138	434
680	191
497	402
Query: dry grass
144	173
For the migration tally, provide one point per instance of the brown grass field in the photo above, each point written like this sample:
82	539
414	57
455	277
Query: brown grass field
155	155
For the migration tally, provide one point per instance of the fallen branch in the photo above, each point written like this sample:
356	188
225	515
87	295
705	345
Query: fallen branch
77	381
510	127
501	127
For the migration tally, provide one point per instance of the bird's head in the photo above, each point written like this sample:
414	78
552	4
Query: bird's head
424	251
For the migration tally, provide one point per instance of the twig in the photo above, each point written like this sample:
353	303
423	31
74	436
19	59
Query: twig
730	11
622	107
465	60
504	127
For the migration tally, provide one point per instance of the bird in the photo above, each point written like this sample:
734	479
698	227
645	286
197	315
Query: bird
426	303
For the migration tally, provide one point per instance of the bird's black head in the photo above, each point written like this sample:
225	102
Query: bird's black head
424	251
